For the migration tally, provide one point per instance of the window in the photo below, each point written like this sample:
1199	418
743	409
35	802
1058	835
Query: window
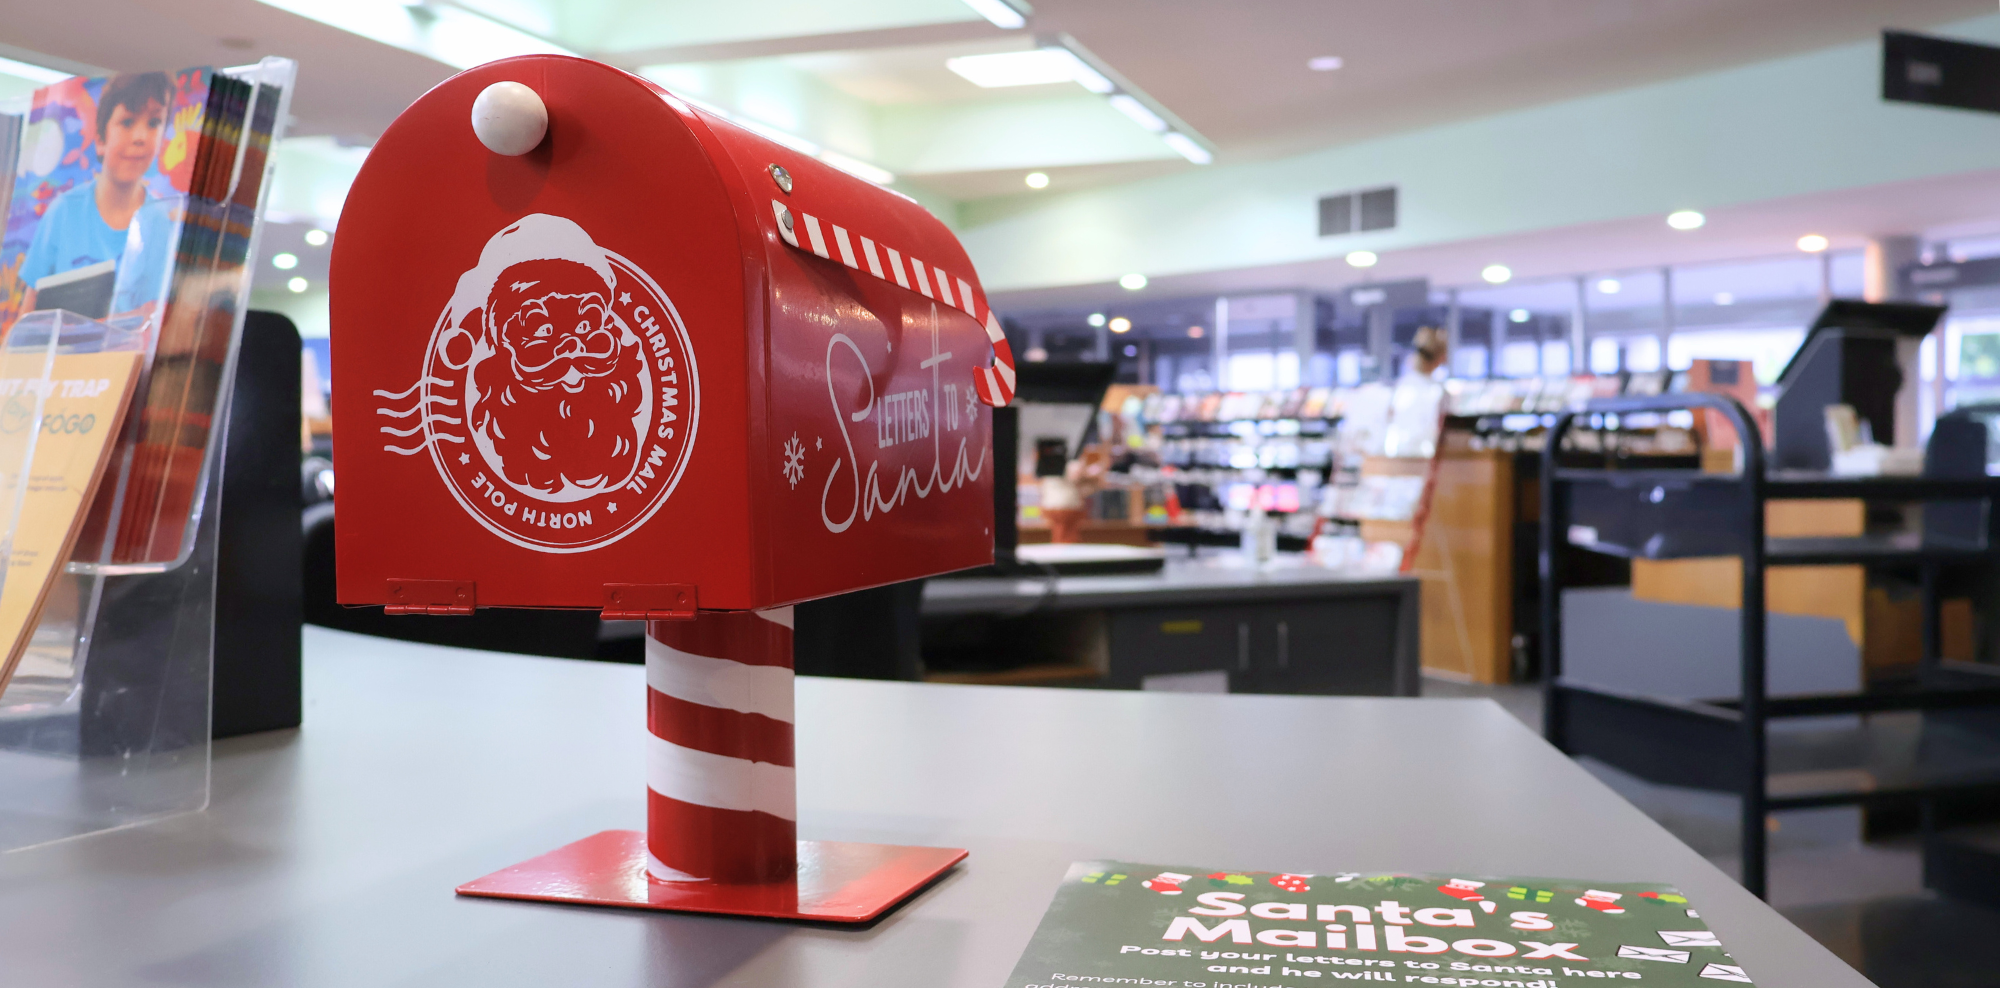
1642	354
1555	359
1347	367
1766	349
1603	356
1469	361
1520	359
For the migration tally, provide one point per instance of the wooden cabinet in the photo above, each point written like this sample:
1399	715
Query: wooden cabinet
1466	562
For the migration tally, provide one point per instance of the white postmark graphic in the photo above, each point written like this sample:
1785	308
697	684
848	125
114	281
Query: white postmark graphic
559	397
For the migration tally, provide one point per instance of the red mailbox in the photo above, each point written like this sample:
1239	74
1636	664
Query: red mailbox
595	348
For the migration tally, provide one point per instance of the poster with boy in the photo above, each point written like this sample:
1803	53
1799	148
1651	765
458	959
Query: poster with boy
99	190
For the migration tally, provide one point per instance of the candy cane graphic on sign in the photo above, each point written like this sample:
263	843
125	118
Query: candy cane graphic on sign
995	384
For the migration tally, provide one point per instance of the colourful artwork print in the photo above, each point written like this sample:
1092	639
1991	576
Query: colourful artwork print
60	151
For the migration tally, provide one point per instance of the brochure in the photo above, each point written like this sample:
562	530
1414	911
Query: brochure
1180	926
59	414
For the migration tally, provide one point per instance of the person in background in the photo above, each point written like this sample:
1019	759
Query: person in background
113	217
1414	404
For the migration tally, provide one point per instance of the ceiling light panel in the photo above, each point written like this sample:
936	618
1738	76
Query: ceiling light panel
32	73
1036	67
1140	113
1186	147
1001	13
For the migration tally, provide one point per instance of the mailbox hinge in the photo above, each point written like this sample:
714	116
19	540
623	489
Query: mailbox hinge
649	602
457	597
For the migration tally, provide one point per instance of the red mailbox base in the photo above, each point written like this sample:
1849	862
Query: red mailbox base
837	882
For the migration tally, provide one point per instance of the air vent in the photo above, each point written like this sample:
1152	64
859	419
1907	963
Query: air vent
1358	212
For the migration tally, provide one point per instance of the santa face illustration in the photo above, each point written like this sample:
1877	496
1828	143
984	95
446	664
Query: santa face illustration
557	406
559	397
557	339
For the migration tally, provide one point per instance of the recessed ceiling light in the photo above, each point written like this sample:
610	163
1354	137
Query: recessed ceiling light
1096	319
296	284
316	238
1186	147
1608	286
1037	180
1812	243
1519	315
1497	274
1325	63
1140	113
1035	67
1132	282
1121	325
1725	298
1686	219
1362	259
1001	13
1195	332
285	262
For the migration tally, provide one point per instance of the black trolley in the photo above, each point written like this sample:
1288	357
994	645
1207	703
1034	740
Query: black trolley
1721	744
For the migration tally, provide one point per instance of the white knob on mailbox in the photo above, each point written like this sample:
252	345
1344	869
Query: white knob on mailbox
509	118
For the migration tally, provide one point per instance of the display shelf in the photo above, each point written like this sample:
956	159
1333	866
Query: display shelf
1889	549
1896	548
1789	485
1880	760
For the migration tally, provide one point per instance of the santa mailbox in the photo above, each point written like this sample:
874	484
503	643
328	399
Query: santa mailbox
596	348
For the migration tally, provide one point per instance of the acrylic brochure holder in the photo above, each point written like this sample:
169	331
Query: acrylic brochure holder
609	351
105	722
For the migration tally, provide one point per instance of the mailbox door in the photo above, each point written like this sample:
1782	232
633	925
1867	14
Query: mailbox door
540	362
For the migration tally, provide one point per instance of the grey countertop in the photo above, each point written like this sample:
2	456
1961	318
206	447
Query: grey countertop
1211	578
328	855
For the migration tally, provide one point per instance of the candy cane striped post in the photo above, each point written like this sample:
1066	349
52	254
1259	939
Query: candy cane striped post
721	803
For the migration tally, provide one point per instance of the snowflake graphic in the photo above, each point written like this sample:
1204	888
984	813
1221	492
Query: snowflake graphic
795	460
971	403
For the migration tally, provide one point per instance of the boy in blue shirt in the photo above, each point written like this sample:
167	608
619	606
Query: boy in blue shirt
112	217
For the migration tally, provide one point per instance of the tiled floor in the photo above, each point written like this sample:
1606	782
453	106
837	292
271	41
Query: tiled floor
1864	900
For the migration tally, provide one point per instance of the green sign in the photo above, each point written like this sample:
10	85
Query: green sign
1116	923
